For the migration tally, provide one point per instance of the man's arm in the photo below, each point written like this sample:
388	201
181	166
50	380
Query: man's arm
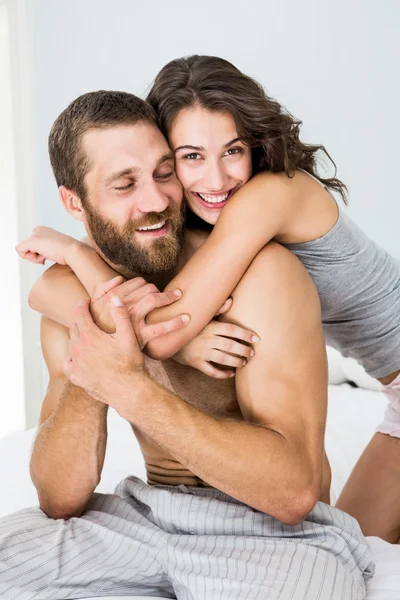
69	449
274	461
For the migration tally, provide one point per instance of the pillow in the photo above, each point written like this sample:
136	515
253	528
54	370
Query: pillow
343	369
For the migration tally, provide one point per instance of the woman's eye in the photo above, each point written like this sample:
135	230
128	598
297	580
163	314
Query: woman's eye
234	151
192	156
125	187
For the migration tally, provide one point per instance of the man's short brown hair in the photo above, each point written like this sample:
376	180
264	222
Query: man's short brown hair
95	110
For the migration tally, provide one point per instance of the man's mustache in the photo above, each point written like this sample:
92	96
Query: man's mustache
153	218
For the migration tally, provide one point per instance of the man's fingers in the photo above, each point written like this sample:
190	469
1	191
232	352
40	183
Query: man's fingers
155	300
74	332
123	326
104	287
83	318
153	331
133	285
166	298
135	296
67	367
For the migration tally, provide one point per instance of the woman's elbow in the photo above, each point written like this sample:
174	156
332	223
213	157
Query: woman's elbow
160	348
41	288
34	295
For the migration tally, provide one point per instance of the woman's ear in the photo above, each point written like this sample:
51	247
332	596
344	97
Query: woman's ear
72	203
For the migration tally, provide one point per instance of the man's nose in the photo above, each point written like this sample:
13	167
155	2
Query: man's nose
216	177
152	199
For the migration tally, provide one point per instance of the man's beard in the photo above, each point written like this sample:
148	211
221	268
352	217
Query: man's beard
120	245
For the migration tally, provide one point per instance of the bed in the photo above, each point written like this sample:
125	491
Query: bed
346	436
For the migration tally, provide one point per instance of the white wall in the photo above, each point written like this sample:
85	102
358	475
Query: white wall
12	404
333	64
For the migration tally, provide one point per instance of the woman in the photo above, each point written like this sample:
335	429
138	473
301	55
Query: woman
238	149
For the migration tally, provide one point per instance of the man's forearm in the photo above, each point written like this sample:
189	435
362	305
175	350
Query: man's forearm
252	463
68	453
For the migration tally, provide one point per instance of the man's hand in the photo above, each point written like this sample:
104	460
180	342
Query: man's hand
139	298
99	362
46	243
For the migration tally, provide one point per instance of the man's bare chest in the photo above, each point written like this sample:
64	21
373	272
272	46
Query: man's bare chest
216	397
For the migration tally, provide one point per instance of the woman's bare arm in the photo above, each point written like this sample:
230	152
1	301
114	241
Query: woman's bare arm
212	273
242	230
270	206
56	293
59	289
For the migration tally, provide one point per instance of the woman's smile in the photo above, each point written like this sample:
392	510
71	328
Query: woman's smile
215	200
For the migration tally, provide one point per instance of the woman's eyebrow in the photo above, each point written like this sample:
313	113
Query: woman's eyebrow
232	142
189	147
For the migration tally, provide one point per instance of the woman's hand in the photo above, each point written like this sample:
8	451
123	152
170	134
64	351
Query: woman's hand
47	243
224	344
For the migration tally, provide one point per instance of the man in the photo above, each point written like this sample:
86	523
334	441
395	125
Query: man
235	467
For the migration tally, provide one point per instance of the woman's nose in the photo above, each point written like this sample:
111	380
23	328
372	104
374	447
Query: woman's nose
215	178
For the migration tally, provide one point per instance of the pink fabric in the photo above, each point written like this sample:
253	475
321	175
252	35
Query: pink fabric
391	420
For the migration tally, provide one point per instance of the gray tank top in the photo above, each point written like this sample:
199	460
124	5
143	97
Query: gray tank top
359	287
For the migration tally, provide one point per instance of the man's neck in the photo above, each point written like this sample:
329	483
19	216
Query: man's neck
192	240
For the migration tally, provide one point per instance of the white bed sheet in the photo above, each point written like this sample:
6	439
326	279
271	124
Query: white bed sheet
353	414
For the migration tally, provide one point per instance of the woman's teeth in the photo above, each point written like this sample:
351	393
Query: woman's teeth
158	226
214	199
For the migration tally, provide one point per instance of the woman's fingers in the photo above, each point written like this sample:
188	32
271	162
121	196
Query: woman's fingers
33	257
222	358
214	372
232	346
234	331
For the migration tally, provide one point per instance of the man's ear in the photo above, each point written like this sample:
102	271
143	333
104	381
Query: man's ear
72	203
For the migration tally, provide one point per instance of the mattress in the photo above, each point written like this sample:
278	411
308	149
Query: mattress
353	414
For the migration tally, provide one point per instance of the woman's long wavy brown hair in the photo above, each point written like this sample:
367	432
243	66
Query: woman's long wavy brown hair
261	122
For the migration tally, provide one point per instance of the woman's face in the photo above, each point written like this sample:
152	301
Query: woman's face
212	163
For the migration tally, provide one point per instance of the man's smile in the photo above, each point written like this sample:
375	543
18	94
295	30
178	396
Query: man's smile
161	228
